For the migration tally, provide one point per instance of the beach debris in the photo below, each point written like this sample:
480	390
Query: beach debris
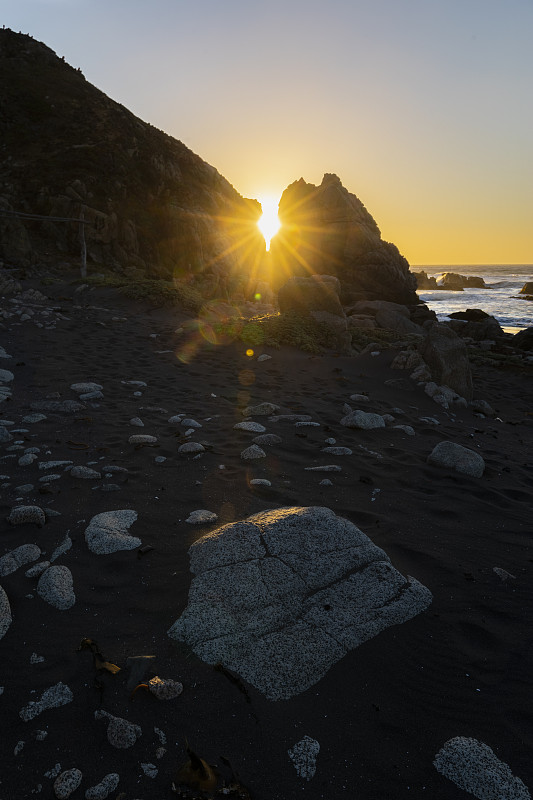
363	420
100	662
191	447
18	557
280	597
454	456
22	515
5	613
120	733
260	410
54	697
252	453
503	574
55	587
108	532
67	782
303	755
162	689
103	789
201	517
255	427
474	767
195	774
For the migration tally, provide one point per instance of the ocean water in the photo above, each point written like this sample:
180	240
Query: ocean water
505	281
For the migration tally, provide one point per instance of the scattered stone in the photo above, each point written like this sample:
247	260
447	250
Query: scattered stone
137	421
325	468
405	428
363	420
22	515
84	388
150	770
54	772
253	452
57	406
260	482
303	755
35	659
6	376
31	418
49	478
337	451
164	689
360	398
120	733
290	418
140	438
61	549
260	410
108	532
454	456
67	783
54	697
5	436
307	424
92	396
282	596
474	767
267	439
326	482
176	420
104	788
18	747
37	570
5	613
264	357
255	427
18	557
191	447
201	517
27	459
135	383
85	473
160	459
190	423
56	587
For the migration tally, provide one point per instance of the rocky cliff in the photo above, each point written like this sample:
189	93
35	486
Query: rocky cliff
326	229
151	203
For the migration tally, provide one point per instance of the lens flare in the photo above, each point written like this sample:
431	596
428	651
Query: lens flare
269	223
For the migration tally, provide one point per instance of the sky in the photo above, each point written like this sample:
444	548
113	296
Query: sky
423	108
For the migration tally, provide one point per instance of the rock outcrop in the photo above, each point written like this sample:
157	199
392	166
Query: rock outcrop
447	358
326	229
449	281
149	202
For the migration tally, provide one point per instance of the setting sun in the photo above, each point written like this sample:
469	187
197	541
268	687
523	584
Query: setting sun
269	223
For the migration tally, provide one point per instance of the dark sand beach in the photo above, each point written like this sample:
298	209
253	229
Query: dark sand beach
381	713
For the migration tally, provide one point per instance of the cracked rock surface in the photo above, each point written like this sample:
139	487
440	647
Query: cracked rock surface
282	596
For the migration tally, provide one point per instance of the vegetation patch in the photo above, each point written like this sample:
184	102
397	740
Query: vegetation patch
154	291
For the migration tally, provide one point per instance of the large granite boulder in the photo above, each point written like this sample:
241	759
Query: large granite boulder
391	316
523	339
327	229
454	282
475	324
446	356
282	596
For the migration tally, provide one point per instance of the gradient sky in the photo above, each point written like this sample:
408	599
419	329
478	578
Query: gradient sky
423	108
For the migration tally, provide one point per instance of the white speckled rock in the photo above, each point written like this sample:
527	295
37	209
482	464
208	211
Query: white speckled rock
86	473
120	733
337	451
56	587
5	613
255	427
150	770
201	517
325	468
137	422
37	570
54	697
253	452
104	788
83	388
67	783
108	532
454	456
5	436
191	447
303	755
142	438
363	420
32	418
405	428
260	482
23	515
16	558
264	357
190	423
164	688
6	376
27	459
260	410
474	767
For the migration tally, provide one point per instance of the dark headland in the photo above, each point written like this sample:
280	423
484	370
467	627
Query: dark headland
368	632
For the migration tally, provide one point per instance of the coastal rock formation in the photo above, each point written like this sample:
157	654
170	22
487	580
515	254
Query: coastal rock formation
149	203
318	297
475	324
447	358
327	229
282	596
449	281
527	288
